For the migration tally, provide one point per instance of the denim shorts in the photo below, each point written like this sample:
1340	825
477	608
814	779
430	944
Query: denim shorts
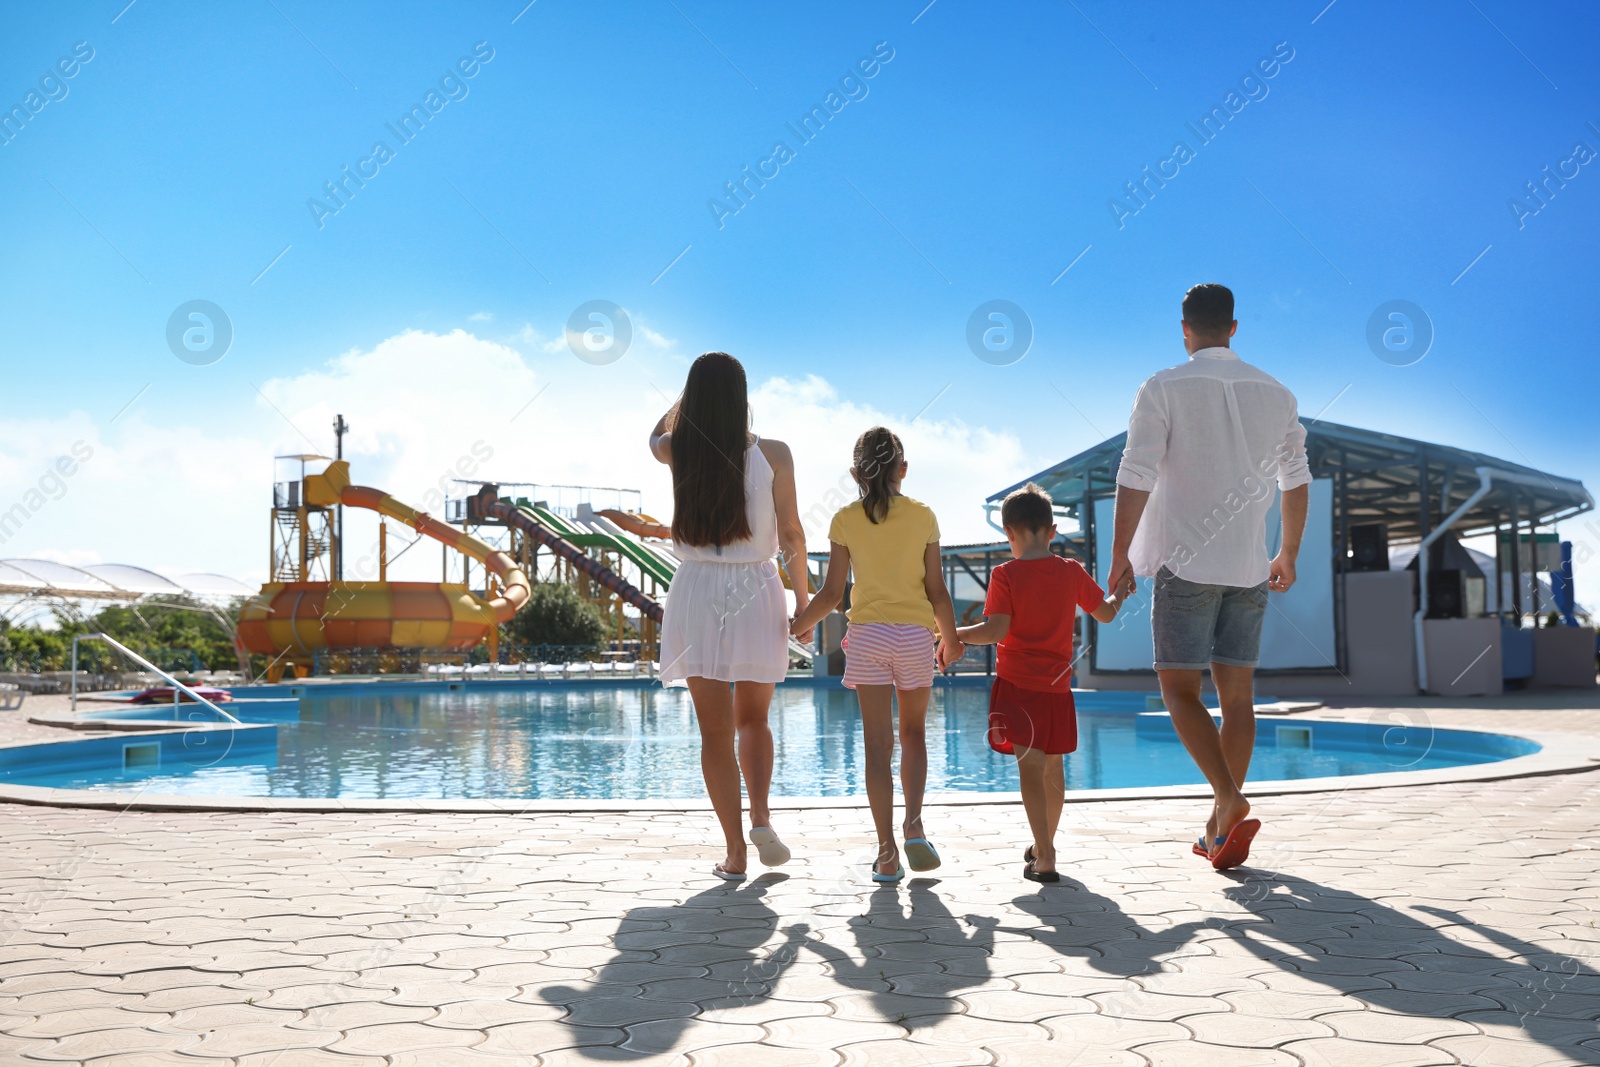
1195	625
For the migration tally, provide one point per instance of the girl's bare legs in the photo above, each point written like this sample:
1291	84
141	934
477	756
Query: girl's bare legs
750	703
914	755
877	731
713	707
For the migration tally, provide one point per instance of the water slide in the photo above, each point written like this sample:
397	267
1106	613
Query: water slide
569	537
545	533
333	486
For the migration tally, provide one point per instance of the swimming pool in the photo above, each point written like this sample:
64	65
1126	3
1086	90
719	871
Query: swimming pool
594	741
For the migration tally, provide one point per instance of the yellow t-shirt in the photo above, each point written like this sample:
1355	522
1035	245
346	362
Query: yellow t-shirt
886	561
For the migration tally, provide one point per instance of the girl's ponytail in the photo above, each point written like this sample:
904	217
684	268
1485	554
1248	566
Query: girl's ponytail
877	465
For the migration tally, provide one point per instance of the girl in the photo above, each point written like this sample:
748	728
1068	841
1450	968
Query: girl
891	545
723	632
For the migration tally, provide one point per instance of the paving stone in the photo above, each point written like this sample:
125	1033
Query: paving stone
1337	1052
971	1031
1253	1031
352	1014
662	1036
760	1054
1106	1031
1483	1051
304	1057
901	1053
387	1039
542	1037
827	1032
88	1046
246	1038
1201	1054
1385	1028
1032	1052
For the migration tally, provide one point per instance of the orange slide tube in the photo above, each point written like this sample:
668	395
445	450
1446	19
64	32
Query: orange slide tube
514	586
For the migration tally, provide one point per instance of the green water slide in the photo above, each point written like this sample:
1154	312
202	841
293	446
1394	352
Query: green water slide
647	561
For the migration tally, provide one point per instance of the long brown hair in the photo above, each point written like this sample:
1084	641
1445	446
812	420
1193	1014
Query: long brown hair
709	427
876	467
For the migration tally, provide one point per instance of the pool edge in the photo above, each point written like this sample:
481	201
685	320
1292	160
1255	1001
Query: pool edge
1559	753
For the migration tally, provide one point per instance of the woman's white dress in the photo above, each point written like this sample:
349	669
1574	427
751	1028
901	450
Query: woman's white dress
726	616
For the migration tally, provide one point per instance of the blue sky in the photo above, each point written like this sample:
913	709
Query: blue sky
1375	164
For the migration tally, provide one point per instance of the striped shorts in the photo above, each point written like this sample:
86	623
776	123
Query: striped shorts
881	653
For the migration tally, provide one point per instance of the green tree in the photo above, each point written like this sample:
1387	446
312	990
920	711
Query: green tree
161	633
556	615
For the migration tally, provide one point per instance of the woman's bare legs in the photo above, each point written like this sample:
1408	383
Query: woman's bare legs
877	731
751	700
729	717
913	755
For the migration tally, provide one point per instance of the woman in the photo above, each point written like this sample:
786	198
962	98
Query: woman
726	630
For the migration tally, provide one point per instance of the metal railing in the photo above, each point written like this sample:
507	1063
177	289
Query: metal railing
177	686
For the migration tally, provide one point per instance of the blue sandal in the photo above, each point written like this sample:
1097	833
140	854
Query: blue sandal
922	854
888	879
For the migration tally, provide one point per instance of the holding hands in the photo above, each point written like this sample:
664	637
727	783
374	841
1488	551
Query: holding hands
950	650
1120	582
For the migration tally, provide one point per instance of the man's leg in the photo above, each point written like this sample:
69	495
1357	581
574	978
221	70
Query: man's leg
1234	656
1180	689
1236	693
1184	619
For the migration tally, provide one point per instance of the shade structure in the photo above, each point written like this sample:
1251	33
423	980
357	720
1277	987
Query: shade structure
108	581
1405	484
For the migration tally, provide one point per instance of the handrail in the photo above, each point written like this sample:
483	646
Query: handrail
146	664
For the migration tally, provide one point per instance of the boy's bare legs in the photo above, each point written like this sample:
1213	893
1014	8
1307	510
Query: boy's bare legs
1236	693
1180	690
1033	771
713	707
751	701
877	731
1055	782
914	755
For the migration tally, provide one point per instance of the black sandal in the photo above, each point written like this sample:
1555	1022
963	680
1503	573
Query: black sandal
1046	877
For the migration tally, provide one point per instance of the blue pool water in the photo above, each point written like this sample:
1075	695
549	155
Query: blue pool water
586	741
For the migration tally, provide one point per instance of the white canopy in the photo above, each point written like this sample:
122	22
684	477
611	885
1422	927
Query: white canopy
108	581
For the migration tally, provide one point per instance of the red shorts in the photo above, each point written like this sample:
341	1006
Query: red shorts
1031	718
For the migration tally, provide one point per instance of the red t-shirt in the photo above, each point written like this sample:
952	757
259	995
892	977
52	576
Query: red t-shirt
1042	597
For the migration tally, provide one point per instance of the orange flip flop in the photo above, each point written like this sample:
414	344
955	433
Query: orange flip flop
1235	848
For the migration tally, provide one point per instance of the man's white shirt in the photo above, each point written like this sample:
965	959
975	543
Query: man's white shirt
1207	440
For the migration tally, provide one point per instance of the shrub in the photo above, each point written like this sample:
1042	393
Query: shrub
556	615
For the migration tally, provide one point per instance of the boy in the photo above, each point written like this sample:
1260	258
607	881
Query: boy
1029	614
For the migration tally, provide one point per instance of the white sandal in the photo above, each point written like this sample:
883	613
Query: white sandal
773	852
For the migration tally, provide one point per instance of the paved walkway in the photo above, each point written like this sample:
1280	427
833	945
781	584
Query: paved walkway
1415	926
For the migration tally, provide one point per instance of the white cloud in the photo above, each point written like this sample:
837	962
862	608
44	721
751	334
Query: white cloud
424	408
951	466
654	338
526	336
481	316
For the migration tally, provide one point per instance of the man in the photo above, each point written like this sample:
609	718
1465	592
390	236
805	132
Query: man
1206	441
